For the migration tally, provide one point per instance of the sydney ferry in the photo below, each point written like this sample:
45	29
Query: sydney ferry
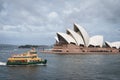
28	58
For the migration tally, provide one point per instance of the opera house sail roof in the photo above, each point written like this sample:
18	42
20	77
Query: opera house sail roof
65	38
76	37
113	44
96	40
82	32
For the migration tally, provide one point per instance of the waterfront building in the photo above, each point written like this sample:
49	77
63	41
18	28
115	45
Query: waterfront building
78	41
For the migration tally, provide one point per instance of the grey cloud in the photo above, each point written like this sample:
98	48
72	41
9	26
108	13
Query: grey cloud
46	17
1	5
1	28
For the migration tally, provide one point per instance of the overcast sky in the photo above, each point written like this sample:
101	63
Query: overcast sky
37	21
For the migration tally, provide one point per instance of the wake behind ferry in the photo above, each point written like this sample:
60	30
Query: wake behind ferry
28	58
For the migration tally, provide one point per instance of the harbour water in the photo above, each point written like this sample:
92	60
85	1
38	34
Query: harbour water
61	67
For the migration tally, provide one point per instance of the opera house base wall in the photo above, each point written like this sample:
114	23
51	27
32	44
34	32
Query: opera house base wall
74	49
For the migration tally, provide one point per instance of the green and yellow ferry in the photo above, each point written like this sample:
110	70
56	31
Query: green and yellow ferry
28	58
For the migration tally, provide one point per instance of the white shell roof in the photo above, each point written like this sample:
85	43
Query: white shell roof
108	43
56	38
96	40
116	44
113	44
82	32
76	37
67	37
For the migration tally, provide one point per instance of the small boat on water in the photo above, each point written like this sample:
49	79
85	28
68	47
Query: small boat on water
28	58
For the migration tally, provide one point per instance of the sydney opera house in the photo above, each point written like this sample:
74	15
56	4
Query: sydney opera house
79	41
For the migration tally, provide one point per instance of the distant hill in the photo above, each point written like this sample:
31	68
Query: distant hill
34	46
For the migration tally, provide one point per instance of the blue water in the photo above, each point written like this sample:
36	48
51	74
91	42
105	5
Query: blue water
62	67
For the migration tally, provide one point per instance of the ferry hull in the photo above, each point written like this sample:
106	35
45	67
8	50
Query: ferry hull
27	63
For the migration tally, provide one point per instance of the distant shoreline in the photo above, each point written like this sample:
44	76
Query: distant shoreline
73	53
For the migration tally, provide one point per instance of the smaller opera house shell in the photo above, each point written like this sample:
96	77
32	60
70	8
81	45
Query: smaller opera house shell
113	44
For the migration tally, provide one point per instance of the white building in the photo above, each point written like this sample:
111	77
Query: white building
79	36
